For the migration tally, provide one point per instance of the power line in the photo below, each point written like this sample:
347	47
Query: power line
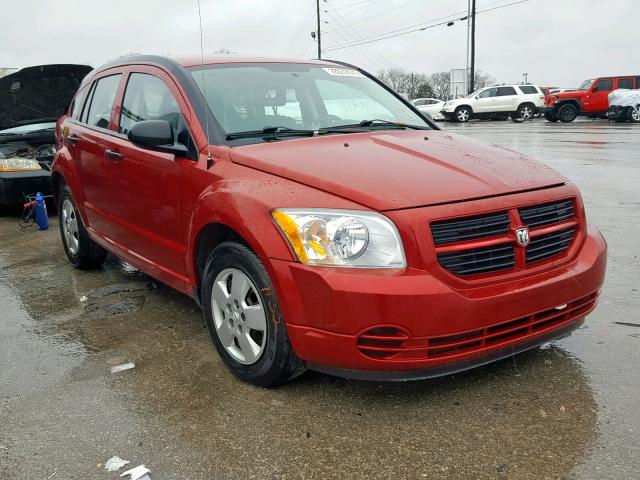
383	12
384	36
342	7
299	33
360	51
381	61
431	21
360	8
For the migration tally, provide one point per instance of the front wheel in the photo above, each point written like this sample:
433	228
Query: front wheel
243	317
462	114
634	114
82	252
567	113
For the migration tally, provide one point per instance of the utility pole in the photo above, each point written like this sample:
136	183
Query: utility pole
472	73
319	41
466	70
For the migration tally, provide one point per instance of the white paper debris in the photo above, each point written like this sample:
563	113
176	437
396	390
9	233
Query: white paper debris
123	367
138	473
115	463
83	298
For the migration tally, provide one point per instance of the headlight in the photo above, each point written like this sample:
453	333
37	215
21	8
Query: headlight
341	238
18	164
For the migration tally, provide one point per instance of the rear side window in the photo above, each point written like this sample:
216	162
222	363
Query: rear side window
147	98
637	82
78	101
98	112
603	86
625	83
528	89
505	91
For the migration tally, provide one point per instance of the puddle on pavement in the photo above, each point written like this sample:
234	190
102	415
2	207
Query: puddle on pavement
534	413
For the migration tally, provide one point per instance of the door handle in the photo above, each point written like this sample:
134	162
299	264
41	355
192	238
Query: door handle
73	139
113	155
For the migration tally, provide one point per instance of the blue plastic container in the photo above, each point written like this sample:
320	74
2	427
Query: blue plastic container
41	212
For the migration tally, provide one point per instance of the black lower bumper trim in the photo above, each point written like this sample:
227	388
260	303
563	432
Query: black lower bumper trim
449	369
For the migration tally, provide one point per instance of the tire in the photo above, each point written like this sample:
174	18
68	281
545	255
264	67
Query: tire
550	117
462	114
567	113
81	250
245	323
634	115
526	111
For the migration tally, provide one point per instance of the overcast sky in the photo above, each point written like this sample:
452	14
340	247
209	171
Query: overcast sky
557	42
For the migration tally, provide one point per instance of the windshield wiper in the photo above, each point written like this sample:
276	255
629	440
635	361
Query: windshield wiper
386	123
357	127
272	132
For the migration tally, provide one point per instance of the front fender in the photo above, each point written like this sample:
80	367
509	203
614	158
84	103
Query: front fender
243	199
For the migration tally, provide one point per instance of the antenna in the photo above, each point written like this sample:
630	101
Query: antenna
204	92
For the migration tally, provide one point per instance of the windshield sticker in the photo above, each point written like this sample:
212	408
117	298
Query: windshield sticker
343	72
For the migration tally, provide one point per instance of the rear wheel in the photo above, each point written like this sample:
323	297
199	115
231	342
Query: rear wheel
526	111
243	317
82	252
567	112
463	114
634	114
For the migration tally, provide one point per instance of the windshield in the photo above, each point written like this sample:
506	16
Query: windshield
585	85
29	128
252	97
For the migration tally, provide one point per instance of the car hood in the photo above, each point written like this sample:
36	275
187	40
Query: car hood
399	169
574	94
38	94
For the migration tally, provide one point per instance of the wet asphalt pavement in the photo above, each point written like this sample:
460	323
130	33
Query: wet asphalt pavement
566	411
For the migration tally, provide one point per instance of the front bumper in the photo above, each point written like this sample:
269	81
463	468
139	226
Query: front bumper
14	186
424	327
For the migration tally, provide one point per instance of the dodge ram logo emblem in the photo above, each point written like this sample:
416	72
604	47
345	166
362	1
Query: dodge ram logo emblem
522	235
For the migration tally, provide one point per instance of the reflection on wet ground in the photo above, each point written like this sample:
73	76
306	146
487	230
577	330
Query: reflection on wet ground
567	411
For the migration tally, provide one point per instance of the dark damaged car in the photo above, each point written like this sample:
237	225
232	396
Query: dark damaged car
31	100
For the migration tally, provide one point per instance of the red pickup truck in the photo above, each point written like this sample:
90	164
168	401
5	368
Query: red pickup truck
591	98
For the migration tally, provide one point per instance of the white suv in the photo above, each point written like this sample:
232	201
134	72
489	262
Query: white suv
497	101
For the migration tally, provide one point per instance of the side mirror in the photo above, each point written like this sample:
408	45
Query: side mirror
156	135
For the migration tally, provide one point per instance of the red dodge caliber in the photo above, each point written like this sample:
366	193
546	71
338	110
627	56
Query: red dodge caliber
319	219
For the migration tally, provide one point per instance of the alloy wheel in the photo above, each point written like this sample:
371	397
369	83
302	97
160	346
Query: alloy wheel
526	112
239	316
635	114
463	115
70	227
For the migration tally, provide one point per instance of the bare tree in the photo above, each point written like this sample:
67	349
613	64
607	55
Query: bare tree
441	85
481	79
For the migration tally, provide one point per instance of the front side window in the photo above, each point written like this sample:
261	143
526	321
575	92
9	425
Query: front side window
248	97
506	91
98	113
603	86
488	93
147	98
